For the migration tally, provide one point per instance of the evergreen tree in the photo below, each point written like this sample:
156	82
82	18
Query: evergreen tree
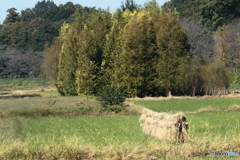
129	52
68	61
26	15
111	52
45	9
129	5
12	17
86	72
217	13
172	51
90	54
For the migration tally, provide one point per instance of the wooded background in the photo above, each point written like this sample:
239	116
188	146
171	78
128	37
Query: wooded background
188	47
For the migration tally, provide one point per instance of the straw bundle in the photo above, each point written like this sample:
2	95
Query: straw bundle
164	126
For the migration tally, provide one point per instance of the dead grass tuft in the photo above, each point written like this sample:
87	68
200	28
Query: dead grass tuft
18	92
133	108
234	108
209	109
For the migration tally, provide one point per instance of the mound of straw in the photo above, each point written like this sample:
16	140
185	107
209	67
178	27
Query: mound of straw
163	126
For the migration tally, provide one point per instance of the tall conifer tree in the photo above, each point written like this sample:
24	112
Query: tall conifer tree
172	50
68	61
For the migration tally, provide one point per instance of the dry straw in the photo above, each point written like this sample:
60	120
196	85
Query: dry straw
163	126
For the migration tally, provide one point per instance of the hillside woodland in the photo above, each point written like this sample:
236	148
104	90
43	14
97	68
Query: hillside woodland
188	47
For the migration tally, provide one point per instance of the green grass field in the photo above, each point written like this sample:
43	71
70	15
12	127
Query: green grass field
23	86
223	124
189	105
24	82
54	127
115	130
55	136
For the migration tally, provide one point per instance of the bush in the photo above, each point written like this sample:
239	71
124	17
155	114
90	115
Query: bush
235	81
109	96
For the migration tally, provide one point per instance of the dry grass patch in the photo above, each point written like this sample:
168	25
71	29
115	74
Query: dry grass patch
199	149
133	108
18	92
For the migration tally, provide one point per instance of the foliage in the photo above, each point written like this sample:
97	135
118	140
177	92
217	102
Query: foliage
12	17
212	13
129	5
235	81
144	51
81	54
222	45
36	27
45	9
132	57
90	52
49	67
67	62
192	73
172	52
219	12
188	8
110	96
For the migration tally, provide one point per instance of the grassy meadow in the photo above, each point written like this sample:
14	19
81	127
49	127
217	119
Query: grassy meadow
54	127
26	86
24	82
190	105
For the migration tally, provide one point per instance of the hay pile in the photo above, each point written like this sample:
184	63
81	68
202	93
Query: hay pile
17	92
164	126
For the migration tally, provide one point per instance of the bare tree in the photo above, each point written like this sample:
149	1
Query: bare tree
199	38
20	62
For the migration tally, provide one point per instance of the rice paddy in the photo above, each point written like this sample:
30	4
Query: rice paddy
65	132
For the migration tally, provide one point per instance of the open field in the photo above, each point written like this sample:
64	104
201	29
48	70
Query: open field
54	127
190	105
49	106
23	82
115	137
25	86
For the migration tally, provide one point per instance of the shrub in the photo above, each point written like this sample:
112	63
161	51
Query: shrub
109	96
